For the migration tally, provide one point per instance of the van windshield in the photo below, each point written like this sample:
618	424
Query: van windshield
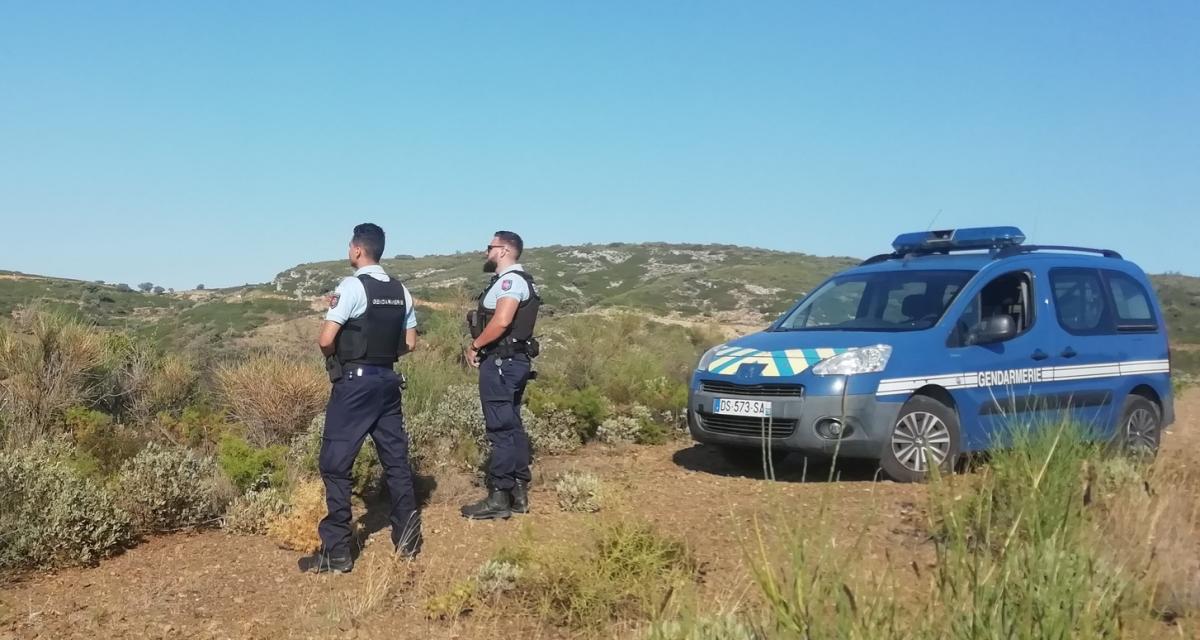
877	301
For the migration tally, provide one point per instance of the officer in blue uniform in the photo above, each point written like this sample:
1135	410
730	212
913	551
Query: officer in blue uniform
370	323
502	346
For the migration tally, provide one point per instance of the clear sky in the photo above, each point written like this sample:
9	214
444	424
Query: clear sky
222	142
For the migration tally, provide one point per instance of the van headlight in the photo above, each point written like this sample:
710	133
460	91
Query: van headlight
708	357
861	360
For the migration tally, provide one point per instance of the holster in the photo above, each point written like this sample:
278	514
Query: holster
474	323
333	367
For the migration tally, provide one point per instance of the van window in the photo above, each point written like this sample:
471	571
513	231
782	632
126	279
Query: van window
1010	294
1080	301
877	301
1132	305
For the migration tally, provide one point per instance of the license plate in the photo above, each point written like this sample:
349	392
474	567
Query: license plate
735	407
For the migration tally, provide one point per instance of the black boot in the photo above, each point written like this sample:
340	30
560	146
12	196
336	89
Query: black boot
496	505
520	497
321	562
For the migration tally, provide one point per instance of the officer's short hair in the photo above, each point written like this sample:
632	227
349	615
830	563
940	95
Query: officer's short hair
511	239
369	237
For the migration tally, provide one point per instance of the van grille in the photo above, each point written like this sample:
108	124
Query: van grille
760	390
744	426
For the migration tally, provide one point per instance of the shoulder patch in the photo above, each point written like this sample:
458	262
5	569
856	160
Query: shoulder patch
333	300
505	285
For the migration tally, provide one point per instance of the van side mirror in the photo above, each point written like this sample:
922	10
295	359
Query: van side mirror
995	329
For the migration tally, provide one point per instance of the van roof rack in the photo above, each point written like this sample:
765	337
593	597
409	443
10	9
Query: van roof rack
1014	250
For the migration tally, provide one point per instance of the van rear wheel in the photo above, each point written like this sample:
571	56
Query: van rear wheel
925	436
1140	429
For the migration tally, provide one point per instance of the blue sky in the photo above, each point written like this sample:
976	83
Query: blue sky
221	142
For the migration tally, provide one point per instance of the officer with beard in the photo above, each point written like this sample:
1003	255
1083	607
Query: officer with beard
501	348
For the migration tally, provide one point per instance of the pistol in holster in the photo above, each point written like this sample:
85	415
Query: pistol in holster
475	322
333	367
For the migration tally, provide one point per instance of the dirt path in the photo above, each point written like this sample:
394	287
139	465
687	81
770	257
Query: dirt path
213	585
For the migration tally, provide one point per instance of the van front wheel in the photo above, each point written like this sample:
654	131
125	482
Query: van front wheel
925	435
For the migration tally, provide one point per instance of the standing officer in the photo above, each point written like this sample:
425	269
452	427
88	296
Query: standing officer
370	323
501	347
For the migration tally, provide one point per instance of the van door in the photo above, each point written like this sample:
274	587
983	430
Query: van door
1002	370
1091	353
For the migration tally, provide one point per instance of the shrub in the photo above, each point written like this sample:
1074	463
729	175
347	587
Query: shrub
274	397
168	488
619	429
51	516
496	577
56	368
554	431
101	447
578	492
250	467
452	434
625	573
198	426
588	405
650	430
251	513
296	529
143	382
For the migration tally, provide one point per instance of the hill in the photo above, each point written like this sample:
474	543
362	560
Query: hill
662	278
722	283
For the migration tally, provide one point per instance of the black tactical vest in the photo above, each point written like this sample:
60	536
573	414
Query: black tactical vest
518	336
377	336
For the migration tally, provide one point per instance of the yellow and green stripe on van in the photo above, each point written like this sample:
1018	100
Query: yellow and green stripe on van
776	364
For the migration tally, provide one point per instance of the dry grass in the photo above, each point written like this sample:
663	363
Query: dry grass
1149	524
48	364
147	384
276	398
297	528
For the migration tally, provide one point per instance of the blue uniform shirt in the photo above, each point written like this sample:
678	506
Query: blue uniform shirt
350	298
508	286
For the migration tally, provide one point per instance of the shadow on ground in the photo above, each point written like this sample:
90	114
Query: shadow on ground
792	467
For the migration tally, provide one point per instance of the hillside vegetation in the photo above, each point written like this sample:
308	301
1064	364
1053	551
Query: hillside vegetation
721	283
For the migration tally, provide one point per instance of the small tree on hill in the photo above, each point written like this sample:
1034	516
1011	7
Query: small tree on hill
146	286
199	287
158	291
124	287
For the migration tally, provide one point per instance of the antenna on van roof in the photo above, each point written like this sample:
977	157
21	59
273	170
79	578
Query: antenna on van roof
935	217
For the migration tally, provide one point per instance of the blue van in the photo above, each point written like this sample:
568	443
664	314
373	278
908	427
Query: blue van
918	356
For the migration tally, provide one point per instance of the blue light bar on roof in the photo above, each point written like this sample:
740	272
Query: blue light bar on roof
958	239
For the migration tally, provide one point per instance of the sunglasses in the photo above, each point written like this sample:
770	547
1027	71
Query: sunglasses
493	246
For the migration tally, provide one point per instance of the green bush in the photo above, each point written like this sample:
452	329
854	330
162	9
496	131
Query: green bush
51	516
199	426
169	487
588	405
250	467
101	446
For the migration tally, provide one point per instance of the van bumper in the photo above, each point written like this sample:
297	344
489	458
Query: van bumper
796	424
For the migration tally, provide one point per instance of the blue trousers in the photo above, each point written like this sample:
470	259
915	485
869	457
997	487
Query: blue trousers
362	405
501	387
